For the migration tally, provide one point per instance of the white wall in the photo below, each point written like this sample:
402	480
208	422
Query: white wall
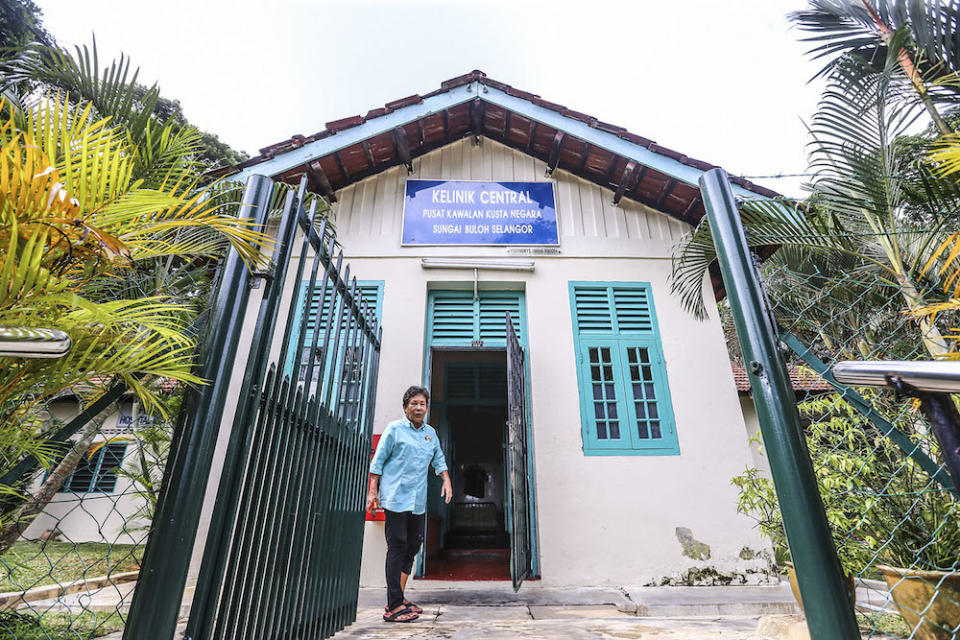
601	520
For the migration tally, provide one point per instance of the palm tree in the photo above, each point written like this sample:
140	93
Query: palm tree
865	182
76	221
917	37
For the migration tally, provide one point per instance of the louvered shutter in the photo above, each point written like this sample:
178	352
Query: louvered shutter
370	292
473	383
611	310
457	319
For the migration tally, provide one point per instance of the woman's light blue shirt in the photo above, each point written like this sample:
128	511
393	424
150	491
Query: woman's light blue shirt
401	461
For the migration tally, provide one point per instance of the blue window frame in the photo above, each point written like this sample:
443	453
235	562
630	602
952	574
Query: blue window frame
97	471
625	406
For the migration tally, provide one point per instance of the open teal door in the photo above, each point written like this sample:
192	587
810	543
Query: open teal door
517	472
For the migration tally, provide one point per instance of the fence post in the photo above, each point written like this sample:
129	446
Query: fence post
159	592
826	603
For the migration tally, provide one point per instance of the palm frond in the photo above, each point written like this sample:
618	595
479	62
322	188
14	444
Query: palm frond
111	90
848	28
768	223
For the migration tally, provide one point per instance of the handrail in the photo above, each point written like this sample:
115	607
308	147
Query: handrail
29	342
934	376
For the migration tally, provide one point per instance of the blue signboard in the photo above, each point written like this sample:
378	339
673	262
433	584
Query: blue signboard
452	212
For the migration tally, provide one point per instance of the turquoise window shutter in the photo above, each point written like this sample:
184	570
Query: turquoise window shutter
456	318
625	404
370	291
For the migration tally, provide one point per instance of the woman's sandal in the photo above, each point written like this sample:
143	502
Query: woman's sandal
404	615
409	605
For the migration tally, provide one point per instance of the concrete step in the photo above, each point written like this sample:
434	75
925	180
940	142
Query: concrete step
665	602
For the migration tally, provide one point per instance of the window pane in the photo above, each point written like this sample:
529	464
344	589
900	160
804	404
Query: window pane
644	393
601	430
111	459
604	394
642	429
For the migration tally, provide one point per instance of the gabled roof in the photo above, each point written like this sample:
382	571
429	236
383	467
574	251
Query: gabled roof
354	148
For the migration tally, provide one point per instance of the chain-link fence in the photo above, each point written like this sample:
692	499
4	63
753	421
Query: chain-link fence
890	504
74	522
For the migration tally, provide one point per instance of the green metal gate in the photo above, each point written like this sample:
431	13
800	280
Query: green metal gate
282	556
517	473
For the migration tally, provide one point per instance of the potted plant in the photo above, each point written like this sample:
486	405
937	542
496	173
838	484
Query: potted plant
919	549
758	500
888	517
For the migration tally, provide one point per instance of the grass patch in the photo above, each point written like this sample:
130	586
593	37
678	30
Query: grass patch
33	564
58	626
890	624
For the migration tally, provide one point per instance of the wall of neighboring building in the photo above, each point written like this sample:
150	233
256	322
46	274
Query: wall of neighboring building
752	423
601	520
95	517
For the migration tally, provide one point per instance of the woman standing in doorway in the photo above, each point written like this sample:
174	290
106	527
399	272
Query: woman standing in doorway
398	484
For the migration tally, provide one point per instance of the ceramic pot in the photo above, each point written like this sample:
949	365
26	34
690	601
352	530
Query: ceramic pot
912	591
795	586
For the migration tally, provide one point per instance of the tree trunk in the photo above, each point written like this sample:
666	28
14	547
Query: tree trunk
933	340
28	512
909	69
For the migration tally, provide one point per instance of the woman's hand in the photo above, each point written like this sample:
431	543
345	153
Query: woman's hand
446	492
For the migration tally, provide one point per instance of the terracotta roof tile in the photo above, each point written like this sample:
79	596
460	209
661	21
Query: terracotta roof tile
801	378
404	102
474	76
345	123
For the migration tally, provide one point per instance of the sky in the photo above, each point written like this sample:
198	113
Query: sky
725	81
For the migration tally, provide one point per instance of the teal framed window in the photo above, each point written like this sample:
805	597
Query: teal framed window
97	471
347	379
625	406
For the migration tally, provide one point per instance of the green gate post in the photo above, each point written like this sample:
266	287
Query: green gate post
826	603
156	600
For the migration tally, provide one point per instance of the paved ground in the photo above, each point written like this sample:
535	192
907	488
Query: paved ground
492	611
464	611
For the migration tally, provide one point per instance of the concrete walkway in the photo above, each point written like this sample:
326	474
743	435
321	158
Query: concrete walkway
492	611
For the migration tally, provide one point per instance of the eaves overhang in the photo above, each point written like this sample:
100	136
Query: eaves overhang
631	166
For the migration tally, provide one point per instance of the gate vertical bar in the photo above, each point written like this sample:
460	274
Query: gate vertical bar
159	591
822	588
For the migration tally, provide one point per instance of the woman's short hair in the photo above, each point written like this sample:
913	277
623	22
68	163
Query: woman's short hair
415	391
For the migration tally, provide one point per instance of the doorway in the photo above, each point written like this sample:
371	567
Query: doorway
468	538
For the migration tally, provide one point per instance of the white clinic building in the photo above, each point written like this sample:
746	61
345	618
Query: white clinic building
478	199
